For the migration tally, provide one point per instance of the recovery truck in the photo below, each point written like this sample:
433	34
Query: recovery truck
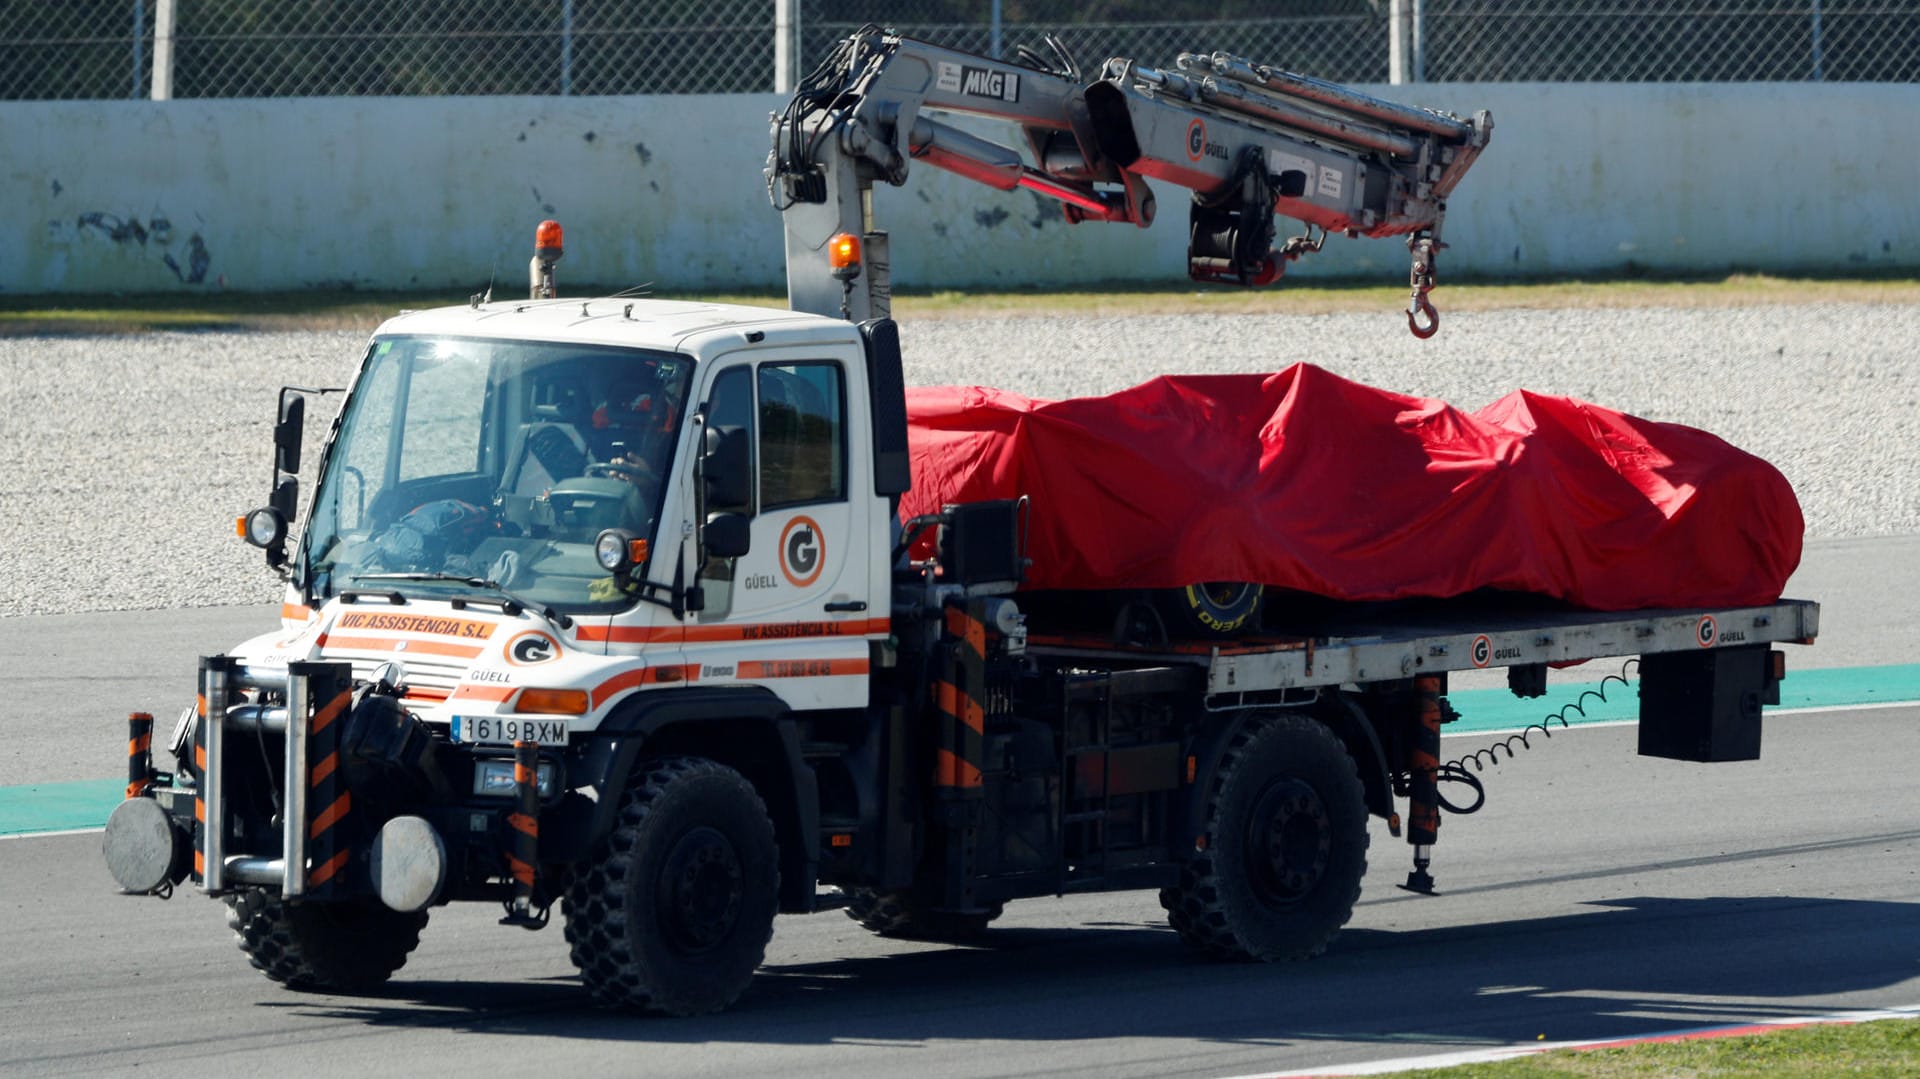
605	603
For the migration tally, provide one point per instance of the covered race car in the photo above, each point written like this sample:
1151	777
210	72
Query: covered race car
1305	480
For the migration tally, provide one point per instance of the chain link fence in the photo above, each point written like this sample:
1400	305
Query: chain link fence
1665	41
1343	41
53	49
458	47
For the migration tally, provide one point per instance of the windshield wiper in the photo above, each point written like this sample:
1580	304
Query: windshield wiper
511	604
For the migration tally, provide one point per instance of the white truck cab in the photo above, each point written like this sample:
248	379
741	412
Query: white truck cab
511	511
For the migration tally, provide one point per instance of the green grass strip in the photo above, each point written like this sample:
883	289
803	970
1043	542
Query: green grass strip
1883	1049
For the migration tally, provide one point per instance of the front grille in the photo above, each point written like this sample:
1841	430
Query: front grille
433	679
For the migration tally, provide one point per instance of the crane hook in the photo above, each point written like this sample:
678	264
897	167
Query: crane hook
1425	248
1420	305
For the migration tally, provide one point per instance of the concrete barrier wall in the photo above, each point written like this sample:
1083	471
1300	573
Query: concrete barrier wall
444	193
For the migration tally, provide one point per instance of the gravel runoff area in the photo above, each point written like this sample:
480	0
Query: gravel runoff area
127	458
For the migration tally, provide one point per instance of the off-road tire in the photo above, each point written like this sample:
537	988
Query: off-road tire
673	911
335	947
1286	846
1217	609
898	914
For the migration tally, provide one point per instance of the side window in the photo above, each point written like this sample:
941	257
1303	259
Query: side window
802	434
729	405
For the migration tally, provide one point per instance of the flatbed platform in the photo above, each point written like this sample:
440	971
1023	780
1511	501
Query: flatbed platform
1387	644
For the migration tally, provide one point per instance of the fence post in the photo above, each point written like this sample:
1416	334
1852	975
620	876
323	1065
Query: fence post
1818	76
993	19
139	45
1404	59
566	48
1418	38
162	50
786	33
1399	41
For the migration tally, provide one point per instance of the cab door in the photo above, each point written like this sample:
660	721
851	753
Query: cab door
793	613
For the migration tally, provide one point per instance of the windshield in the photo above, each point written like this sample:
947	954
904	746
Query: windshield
500	461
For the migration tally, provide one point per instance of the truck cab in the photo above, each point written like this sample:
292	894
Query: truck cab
556	464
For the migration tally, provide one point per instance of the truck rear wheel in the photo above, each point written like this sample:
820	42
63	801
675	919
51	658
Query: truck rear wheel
899	914
1286	847
342	947
674	911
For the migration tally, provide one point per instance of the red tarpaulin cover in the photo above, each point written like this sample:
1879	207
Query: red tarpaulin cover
1305	480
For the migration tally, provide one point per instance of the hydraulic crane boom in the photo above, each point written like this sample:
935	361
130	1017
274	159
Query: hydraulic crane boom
1249	141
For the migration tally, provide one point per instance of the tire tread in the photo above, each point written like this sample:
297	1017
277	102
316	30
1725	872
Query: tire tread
300	946
1198	907
600	927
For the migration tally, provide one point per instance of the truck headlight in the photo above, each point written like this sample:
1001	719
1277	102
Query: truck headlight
617	549
264	527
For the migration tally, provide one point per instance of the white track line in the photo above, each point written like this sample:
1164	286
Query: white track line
43	835
1494	1054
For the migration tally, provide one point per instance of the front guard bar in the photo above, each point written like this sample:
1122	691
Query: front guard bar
314	804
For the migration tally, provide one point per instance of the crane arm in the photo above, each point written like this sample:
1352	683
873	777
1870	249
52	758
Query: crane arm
1247	140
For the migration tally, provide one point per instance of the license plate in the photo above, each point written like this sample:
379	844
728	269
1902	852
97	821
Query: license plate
503	731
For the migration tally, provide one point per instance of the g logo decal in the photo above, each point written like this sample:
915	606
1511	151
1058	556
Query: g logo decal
802	551
532	647
1196	139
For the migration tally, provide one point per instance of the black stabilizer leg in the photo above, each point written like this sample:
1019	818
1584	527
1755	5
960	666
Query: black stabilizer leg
523	855
1423	811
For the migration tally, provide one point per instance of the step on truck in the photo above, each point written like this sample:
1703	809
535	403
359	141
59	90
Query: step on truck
605	604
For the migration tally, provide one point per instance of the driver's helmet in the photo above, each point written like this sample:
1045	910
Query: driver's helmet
633	401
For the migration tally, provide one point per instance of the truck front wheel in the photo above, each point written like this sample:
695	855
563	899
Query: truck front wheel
674	910
342	947
1285	849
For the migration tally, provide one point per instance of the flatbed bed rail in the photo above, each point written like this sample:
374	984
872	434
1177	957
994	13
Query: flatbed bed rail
1455	639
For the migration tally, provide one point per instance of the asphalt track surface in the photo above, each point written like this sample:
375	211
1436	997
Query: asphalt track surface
1599	895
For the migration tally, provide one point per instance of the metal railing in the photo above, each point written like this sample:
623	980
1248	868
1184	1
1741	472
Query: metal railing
280	48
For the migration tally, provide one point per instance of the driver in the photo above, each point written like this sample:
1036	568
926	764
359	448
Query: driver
635	419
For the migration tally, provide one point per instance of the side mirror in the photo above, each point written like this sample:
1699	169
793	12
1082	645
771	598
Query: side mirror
727	464
286	498
892	472
288	431
266	528
727	535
